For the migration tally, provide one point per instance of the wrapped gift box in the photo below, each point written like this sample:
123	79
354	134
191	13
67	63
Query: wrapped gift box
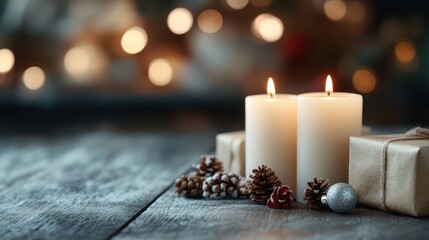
230	149
391	173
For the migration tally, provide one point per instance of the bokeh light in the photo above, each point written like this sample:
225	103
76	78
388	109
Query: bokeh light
85	62
335	9
180	20
237	4
134	40
356	11
160	72
364	80
98	60
210	21
267	27
33	78
7	60
405	51
76	62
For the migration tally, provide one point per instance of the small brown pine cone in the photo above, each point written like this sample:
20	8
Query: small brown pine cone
314	192
221	185
208	166
190	186
262	184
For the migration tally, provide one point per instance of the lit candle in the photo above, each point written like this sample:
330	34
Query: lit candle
271	134
326	120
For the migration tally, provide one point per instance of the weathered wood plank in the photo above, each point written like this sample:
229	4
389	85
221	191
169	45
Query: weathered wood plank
171	217
86	186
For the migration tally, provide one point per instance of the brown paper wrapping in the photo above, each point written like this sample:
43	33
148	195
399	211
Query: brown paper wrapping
406	173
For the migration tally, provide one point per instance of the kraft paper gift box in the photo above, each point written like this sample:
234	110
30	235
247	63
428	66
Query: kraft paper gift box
391	173
230	150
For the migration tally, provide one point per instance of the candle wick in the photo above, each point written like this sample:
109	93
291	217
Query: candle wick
271	95
329	93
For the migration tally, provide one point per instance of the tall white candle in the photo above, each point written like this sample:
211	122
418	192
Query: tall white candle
271	134
326	120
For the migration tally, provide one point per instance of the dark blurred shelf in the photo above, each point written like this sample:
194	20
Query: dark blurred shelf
85	111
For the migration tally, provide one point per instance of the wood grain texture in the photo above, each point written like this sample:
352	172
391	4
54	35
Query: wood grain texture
86	186
171	217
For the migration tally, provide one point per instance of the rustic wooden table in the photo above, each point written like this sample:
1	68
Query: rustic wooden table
110	185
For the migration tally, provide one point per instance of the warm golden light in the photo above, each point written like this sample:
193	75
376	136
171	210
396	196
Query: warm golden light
160	72
271	89
180	20
76	62
85	62
7	60
405	51
237	4
134	40
210	21
33	78
328	86
335	9
267	27
98	60
364	80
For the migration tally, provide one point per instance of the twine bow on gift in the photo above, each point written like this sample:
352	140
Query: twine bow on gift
416	133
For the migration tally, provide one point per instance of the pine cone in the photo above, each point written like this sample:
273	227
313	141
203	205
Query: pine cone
190	186
262	184
208	166
314	192
282	197
242	187
221	185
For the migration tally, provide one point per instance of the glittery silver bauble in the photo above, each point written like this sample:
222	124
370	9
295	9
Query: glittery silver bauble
341	197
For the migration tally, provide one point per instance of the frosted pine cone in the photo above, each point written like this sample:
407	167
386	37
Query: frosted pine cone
242	187
208	166
221	185
282	197
314	192
190	186
263	182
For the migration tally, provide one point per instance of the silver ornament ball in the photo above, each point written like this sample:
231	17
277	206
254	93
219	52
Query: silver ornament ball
341	197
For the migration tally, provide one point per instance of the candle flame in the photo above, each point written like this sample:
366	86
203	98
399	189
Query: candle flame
328	86
271	89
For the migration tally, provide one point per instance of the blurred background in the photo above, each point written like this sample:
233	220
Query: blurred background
186	65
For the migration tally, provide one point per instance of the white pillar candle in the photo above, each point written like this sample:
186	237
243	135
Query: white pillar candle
326	120
271	134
